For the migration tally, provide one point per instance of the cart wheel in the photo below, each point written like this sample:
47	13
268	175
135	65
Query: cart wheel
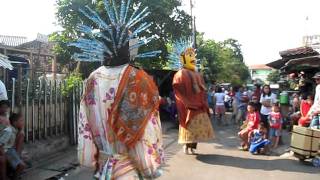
316	162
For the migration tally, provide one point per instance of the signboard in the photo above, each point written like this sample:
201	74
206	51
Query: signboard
42	38
312	41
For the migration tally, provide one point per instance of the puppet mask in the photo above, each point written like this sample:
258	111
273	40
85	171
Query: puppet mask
188	59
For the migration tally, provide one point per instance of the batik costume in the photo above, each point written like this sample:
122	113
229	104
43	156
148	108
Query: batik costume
191	98
119	125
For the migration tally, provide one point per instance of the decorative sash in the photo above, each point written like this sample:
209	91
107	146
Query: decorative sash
136	100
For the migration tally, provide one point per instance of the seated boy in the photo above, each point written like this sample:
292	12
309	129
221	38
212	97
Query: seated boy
11	142
5	134
14	147
259	140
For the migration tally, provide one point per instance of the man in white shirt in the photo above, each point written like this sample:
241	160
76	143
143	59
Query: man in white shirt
3	91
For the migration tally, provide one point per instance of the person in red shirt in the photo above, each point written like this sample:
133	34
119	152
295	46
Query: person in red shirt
304	109
275	124
231	92
251	123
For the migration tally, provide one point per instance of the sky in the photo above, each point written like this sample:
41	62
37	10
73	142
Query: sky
263	27
27	17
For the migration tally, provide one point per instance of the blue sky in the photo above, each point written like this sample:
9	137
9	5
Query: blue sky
263	27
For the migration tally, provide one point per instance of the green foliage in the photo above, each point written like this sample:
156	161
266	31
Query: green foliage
169	23
274	76
222	61
72	81
235	46
60	48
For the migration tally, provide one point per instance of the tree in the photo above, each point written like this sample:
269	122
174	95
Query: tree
169	23
274	76
222	63
235	46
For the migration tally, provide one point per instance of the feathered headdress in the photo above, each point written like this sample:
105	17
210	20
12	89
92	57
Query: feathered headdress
5	63
178	49
111	37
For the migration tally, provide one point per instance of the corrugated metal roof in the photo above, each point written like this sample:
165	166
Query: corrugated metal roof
4	62
12	41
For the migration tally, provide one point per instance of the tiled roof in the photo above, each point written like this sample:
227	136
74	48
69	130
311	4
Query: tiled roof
260	66
298	52
12	40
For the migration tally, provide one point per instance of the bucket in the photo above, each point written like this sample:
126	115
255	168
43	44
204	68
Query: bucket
284	98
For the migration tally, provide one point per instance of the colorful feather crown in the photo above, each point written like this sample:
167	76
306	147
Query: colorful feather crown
178	49
113	35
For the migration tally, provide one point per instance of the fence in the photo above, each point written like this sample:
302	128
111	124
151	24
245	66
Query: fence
48	109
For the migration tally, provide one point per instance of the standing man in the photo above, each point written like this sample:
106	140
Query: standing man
191	98
314	112
119	126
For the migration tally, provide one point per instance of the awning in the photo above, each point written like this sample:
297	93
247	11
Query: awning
311	61
277	64
5	63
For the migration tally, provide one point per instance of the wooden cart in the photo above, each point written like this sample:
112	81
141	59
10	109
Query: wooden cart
305	142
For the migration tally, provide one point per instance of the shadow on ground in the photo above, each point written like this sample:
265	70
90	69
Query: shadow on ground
267	165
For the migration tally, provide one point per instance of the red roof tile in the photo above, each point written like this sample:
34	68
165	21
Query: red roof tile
301	51
260	66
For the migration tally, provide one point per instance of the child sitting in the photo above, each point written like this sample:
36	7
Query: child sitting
304	110
259	140
12	138
5	134
252	122
275	124
15	145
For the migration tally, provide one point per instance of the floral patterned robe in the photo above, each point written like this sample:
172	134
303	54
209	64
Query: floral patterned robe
101	144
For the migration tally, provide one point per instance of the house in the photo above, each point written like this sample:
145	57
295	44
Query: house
260	72
298	65
304	58
37	54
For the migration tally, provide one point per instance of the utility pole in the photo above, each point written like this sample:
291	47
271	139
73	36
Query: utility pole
194	33
193	37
